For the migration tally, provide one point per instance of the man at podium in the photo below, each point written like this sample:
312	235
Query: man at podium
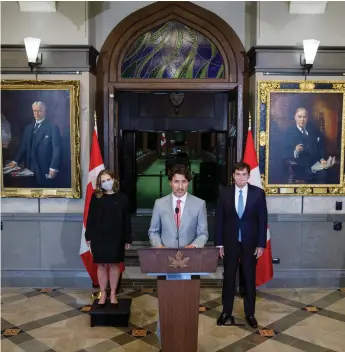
178	219
241	219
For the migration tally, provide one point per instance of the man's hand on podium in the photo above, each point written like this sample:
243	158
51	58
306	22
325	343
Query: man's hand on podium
190	246
160	247
221	252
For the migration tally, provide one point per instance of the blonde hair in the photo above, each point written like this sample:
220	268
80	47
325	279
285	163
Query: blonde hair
99	191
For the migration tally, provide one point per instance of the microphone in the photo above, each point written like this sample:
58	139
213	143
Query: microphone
177	211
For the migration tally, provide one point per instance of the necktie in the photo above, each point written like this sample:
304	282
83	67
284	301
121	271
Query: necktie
240	209
178	215
36	127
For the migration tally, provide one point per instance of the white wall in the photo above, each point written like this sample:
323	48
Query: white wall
66	26
277	27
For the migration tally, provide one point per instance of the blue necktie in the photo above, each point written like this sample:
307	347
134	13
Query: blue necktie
240	209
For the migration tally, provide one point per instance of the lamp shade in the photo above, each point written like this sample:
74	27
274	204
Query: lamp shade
31	46
310	47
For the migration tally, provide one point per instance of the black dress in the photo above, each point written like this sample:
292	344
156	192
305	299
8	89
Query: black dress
108	227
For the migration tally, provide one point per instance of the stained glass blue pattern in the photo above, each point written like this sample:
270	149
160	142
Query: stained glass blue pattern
173	50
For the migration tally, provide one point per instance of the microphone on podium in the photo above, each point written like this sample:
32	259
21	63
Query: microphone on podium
177	211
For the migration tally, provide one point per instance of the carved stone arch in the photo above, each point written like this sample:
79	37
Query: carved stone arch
230	64
122	36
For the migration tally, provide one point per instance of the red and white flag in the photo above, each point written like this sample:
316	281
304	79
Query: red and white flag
95	167
264	267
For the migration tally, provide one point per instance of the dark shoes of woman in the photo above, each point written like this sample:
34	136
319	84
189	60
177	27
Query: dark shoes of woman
113	300
102	300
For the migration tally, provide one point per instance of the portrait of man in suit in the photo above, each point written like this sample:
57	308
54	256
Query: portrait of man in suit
241	230
305	145
40	148
304	139
178	219
40	139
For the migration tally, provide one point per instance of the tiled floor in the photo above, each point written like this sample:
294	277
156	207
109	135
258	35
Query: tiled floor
39	320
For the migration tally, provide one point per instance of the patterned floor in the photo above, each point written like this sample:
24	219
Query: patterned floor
42	320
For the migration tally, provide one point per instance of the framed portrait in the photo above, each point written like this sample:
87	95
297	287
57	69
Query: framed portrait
300	137
40	138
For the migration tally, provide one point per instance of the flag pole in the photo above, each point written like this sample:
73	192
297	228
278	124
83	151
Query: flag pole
95	118
96	295
250	122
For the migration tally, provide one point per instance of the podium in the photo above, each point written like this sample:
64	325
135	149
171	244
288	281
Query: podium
178	272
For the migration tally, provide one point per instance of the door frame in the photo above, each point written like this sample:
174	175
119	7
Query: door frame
109	78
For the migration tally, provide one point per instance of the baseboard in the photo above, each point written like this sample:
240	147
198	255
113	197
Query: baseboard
283	278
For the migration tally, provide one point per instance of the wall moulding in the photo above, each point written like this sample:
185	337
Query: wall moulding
285	60
56	59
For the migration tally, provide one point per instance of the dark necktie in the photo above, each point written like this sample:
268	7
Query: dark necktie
37	125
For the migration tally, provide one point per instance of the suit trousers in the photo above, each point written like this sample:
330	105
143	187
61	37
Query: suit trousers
248	263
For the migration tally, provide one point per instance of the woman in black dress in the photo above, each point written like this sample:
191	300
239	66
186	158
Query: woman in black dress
108	231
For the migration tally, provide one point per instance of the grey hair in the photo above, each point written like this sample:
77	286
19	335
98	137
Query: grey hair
40	103
299	109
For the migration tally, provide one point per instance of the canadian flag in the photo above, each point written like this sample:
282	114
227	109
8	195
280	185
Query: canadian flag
264	267
163	140
95	167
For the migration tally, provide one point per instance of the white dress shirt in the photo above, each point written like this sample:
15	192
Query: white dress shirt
182	204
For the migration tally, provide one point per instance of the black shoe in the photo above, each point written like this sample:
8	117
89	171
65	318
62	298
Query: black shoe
252	322
225	319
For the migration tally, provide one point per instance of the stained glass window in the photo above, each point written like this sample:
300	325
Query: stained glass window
173	50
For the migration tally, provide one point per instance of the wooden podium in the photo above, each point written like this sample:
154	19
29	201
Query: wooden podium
178	273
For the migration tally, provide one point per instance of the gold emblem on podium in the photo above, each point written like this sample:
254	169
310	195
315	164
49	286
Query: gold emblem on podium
178	261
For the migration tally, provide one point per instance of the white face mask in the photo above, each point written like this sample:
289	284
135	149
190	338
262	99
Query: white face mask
108	185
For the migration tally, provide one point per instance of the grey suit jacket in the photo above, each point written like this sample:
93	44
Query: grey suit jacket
193	225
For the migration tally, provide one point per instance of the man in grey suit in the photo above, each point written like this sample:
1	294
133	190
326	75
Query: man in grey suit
178	219
179	210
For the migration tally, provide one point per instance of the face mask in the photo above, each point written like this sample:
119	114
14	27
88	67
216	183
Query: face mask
108	185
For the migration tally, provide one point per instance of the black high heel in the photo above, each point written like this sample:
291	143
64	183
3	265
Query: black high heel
102	304
115	304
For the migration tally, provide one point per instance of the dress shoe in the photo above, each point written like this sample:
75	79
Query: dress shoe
252	322
225	319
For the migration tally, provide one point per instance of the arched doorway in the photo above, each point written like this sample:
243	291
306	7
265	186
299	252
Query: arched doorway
116	73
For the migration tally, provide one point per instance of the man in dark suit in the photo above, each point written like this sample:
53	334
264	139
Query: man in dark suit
305	145
40	148
241	220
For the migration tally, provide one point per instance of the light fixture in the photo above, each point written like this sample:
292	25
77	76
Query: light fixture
31	46
310	47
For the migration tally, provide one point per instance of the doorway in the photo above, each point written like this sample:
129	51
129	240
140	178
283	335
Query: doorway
147	157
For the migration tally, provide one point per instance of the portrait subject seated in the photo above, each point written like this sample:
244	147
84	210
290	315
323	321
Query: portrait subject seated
305	149
40	148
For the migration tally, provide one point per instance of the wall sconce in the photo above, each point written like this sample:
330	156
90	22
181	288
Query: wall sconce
31	46
310	47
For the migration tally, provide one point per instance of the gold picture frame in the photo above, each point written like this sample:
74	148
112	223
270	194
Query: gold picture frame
292	160
48	158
